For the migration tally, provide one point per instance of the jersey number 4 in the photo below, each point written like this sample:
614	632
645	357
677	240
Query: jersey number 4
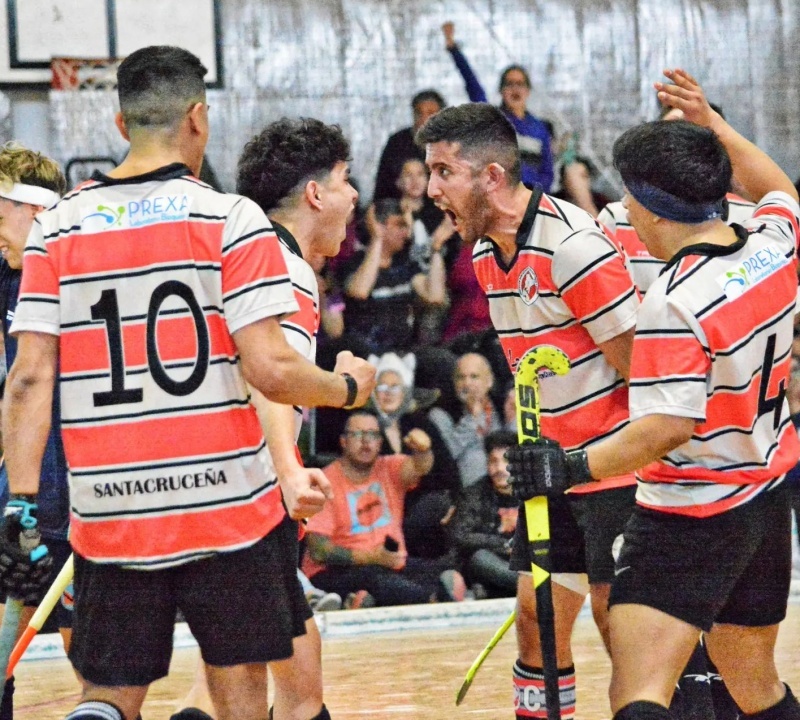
107	310
773	404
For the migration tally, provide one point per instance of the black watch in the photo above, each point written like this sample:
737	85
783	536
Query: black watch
352	391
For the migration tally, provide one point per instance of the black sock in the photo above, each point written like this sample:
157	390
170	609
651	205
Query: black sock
643	710
786	709
7	704
192	713
693	699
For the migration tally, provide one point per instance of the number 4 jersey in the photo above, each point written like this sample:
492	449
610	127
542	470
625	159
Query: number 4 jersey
144	280
713	343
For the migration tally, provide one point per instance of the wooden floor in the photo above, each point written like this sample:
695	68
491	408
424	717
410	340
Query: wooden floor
408	675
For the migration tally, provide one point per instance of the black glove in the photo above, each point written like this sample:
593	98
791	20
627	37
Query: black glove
543	468
25	564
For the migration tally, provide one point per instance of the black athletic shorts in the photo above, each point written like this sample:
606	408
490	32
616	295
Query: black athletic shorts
733	568
244	606
583	528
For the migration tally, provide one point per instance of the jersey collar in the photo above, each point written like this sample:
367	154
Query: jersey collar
287	238
168	172
711	249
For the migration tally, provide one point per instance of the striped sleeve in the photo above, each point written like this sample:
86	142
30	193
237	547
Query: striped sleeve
39	308
608	221
591	277
780	212
670	362
255	281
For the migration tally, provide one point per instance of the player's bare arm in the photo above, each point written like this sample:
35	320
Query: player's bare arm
618	352
754	170
27	409
638	444
284	376
305	490
420	461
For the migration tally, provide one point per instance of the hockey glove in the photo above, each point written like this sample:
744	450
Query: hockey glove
543	468
25	564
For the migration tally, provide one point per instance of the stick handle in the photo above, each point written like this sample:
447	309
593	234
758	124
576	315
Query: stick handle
63	579
8	631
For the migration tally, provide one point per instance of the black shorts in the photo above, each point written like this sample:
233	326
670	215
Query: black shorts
244	606
583	528
732	568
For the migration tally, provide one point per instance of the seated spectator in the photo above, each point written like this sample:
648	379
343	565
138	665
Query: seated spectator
534	135
356	543
400	409
575	185
382	282
472	418
469	309
401	146
431	232
484	521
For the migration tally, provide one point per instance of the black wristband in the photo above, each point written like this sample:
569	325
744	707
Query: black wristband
578	467
352	391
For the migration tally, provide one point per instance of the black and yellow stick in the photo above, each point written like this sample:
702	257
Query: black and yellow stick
526	383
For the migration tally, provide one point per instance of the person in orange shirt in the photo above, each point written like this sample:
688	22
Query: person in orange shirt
356	543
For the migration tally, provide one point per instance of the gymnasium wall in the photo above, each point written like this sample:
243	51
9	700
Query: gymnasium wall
358	62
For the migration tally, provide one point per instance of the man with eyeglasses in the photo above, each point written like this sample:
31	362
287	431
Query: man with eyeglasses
356	544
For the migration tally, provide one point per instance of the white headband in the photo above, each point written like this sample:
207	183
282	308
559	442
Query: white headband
31	194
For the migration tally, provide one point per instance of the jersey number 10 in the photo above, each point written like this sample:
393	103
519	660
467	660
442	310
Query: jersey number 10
107	310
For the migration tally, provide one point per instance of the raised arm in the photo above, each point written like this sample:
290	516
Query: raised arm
473	86
755	171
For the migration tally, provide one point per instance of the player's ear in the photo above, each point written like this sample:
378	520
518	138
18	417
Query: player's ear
312	194
197	116
119	121
496	176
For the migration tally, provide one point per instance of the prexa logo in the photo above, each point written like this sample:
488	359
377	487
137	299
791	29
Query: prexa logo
109	216
751	271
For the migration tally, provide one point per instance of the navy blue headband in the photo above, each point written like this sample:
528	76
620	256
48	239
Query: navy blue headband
668	206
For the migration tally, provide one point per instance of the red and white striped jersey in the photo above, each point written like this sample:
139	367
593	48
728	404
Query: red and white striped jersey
569	287
144	280
644	267
713	343
300	328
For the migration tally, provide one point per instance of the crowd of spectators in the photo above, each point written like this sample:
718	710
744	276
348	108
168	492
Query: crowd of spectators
403	290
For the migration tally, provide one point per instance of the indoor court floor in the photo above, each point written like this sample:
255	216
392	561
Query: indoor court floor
409	675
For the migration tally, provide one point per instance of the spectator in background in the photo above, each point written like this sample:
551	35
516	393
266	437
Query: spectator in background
401	146
575	180
534	136
382	283
485	519
431	231
357	543
469	309
471	419
400	409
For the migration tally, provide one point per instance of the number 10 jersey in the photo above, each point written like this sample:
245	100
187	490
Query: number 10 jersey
145	280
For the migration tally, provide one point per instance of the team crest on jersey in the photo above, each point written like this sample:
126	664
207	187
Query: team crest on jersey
751	271
528	286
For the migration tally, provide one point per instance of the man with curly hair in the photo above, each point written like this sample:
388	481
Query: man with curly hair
297	172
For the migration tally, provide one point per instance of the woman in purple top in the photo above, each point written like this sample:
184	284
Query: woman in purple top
533	135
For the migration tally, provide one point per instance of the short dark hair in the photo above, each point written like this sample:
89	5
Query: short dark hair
157	85
386	208
278	162
518	68
684	159
428	95
369	412
483	132
499	439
